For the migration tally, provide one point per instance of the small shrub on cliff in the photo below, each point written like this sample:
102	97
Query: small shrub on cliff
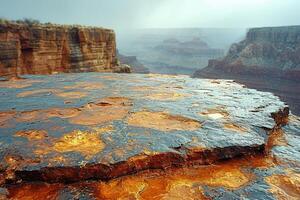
3	21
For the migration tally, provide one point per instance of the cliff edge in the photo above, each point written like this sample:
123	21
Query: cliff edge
266	52
46	49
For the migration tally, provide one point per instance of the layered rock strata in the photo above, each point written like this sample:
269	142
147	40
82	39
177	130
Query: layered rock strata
48	49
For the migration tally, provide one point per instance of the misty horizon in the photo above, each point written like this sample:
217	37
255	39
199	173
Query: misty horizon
166	14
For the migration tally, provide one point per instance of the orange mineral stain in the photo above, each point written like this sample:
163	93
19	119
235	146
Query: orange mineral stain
32	134
285	186
106	110
162	121
87	143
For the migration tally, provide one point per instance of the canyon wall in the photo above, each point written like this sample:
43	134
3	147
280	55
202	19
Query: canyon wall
266	52
47	49
135	65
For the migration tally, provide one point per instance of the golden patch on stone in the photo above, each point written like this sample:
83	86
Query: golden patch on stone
18	84
71	94
62	112
123	188
183	188
32	115
232	178
285	186
38	92
5	117
105	129
106	110
32	134
162	121
165	96
235	127
87	143
85	86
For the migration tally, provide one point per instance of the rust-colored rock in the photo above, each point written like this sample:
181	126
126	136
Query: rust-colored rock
48	49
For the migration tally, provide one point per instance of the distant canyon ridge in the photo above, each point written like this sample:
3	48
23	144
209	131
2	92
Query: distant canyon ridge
177	50
266	52
267	59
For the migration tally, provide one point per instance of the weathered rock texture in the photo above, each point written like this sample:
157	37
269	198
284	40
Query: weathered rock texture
47	49
272	52
57	129
155	129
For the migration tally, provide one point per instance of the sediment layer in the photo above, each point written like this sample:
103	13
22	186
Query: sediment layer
48	49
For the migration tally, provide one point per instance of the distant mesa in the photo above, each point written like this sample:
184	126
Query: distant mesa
133	62
195	47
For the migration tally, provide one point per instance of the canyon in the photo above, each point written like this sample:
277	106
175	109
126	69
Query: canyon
268	59
133	62
177	50
141	135
48	49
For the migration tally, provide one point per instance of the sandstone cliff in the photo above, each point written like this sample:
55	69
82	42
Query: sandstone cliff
266	52
46	49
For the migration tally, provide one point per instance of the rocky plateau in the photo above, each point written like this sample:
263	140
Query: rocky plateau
145	136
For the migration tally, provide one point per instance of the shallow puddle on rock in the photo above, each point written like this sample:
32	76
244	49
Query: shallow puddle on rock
162	121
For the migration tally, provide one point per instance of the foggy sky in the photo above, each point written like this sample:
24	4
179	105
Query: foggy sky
120	14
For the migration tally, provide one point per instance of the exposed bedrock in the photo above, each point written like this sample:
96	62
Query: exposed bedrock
48	49
95	130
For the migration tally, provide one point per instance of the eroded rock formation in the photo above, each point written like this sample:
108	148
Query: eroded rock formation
272	52
48	49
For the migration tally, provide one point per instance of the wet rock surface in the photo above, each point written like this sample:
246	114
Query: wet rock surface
173	146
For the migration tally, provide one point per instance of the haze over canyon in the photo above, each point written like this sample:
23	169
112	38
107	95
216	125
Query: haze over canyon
162	99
